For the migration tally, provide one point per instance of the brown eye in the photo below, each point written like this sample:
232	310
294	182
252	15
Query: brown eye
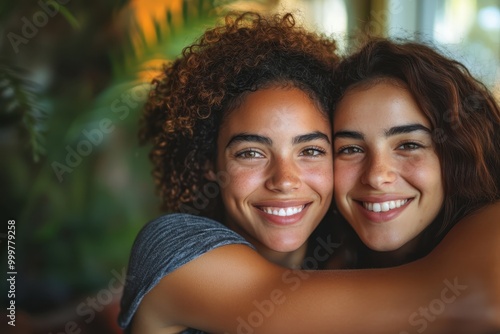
349	150
313	151
409	146
249	154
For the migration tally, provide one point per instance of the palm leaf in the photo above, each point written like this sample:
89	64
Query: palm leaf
20	98
140	58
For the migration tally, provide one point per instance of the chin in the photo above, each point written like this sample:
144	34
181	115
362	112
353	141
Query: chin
285	247
382	246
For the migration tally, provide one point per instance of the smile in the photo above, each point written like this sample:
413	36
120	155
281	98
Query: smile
384	206
283	212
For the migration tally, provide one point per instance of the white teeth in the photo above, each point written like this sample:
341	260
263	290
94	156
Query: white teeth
283	212
384	206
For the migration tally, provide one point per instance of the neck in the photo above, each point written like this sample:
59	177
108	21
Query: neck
397	257
291	259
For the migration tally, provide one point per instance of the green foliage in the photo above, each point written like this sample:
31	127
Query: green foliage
21	101
73	95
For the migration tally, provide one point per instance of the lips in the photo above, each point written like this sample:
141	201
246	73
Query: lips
283	211
384	206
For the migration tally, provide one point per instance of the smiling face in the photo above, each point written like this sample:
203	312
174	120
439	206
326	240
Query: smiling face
388	181
276	149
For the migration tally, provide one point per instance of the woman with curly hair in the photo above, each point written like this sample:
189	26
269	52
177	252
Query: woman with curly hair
199	152
256	91
241	134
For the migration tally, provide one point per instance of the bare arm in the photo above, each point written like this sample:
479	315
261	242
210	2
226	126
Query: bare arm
233	290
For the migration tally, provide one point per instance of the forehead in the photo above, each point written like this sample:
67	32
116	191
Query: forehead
274	109
378	104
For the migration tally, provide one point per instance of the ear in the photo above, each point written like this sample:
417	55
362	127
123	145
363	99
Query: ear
210	174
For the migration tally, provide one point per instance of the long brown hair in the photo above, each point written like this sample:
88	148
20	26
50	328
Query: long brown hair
464	115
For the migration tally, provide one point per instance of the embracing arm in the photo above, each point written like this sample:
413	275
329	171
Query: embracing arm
233	290
471	253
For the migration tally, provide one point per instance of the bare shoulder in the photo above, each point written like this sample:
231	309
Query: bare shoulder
481	228
488	215
472	251
475	240
207	293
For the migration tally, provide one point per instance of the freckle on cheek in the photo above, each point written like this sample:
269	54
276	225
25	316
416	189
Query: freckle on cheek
414	163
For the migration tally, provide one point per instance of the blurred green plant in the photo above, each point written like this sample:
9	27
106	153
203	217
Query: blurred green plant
20	101
75	180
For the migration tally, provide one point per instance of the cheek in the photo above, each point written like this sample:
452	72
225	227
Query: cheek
320	180
241	182
425	173
319	177
346	176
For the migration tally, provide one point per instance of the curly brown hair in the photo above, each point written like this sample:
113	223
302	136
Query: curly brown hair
464	115
189	100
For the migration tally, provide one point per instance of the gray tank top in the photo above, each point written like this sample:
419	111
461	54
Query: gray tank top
164	245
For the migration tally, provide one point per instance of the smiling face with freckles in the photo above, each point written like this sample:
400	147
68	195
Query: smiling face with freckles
276	150
388	182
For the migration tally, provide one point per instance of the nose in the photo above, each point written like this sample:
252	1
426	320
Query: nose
284	176
380	170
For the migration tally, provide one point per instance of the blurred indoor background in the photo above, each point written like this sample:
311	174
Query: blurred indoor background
73	77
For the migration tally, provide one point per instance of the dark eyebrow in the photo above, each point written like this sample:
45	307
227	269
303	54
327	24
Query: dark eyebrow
310	136
246	137
397	130
348	134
